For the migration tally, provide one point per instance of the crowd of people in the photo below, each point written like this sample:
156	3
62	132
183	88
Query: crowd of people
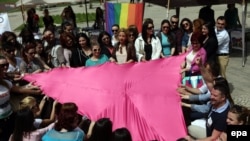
207	109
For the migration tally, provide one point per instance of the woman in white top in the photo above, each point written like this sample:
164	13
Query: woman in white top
125	52
148	46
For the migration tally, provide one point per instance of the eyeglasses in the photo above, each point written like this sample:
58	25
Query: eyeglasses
165	27
173	22
4	65
185	24
104	39
97	50
115	30
150	28
131	35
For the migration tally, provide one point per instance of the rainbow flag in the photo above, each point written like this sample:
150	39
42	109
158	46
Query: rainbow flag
123	14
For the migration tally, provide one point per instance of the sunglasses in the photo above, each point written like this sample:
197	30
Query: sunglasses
131	35
165	27
185	24
4	65
150	28
173	22
115	30
95	50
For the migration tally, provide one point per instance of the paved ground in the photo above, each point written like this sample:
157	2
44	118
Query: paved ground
237	75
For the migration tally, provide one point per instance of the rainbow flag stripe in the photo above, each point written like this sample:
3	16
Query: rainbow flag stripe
123	14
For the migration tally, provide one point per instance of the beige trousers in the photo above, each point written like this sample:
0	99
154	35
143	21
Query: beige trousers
223	61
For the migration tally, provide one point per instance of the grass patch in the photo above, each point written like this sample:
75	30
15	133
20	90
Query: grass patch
57	20
7	1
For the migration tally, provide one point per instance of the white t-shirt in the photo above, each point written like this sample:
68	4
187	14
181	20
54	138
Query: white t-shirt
16	68
189	59
121	56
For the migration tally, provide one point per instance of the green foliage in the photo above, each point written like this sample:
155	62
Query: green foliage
57	19
8	1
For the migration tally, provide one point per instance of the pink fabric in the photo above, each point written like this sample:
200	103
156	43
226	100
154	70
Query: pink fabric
139	96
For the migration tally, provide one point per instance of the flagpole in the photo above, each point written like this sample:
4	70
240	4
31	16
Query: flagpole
22	10
168	6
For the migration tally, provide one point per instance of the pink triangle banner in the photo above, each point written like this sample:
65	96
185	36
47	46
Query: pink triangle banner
139	96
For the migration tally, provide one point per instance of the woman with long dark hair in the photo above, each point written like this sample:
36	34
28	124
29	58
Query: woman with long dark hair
148	46
82	52
167	39
102	130
187	28
104	40
24	127
210	42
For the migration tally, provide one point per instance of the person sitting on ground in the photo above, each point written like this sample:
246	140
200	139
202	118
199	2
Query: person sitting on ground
197	103
214	124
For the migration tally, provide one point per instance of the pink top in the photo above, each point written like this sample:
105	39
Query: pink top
37	134
201	53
